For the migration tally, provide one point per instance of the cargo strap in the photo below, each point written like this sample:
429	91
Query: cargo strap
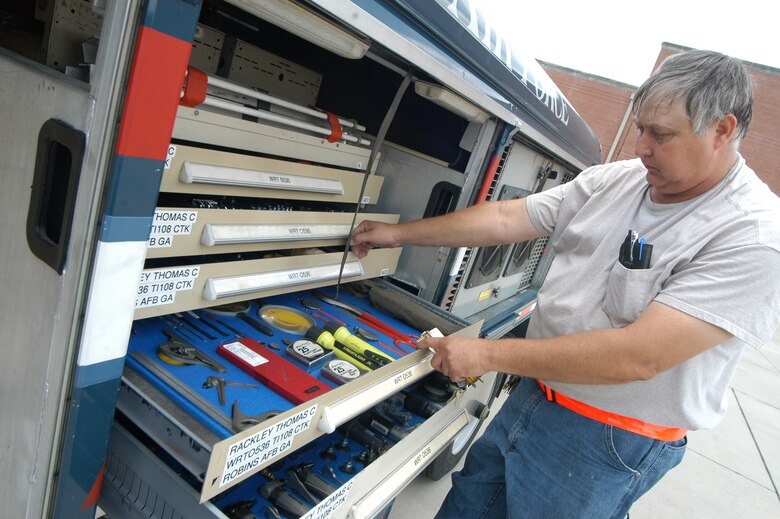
195	88
657	432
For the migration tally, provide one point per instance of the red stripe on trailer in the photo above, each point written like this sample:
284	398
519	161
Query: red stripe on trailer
490	174
94	493
153	93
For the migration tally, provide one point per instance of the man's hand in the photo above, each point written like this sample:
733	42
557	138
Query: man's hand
370	234
457	357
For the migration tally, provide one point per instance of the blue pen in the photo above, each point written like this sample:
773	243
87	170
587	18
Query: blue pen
641	244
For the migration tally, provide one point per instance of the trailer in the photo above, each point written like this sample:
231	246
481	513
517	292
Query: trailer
186	330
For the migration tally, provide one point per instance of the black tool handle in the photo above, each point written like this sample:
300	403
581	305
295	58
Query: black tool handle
254	323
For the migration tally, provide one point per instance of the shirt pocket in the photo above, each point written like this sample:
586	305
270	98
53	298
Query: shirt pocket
628	293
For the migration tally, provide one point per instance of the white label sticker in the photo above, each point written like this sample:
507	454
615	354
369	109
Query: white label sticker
159	286
246	454
249	356
169	157
326	507
167	224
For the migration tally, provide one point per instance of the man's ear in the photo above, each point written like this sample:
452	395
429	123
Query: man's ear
725	130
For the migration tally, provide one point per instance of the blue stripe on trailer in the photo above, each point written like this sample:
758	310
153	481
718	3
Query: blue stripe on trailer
91	412
175	18
98	373
134	186
125	228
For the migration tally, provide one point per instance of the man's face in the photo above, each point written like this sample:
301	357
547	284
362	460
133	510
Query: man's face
680	165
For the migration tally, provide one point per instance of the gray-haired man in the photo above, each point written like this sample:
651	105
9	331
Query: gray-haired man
665	269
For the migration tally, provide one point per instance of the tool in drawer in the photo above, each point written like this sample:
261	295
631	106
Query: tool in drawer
241	421
277	373
206	323
401	340
342	335
286	319
220	383
182	389
275	492
178	351
308	353
254	323
194	326
327	341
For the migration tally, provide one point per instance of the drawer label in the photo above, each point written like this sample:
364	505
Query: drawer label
326	507
169	156
267	444
159	286
251	357
167	224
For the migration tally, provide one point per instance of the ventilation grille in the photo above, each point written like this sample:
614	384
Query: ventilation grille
533	262
455	287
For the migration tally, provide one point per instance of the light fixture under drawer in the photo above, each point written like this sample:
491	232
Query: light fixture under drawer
221	287
228	234
194	173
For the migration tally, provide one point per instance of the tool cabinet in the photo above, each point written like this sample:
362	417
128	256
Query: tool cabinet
177	210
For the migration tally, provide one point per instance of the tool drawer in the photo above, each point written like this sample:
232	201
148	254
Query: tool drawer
200	171
279	411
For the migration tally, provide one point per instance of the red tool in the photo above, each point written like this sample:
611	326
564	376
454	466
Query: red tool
278	374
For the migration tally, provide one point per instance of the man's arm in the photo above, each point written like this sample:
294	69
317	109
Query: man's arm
661	338
488	223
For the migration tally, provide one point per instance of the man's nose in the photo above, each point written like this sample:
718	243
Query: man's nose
643	146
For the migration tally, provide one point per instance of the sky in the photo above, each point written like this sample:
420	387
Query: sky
620	40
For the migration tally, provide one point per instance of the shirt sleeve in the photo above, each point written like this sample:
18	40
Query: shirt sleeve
544	209
736	289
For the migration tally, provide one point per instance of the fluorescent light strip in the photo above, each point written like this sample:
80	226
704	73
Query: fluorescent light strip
227	234
194	173
451	101
219	288
306	25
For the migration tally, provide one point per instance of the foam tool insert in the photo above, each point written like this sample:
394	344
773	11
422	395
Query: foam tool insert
279	374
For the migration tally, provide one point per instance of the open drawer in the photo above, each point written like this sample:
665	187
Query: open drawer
198	433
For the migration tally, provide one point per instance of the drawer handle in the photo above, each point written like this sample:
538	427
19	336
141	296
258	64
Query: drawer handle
195	173
229	234
227	286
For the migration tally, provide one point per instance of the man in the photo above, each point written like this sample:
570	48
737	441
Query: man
665	268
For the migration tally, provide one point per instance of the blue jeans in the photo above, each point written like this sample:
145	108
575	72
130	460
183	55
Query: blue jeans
538	459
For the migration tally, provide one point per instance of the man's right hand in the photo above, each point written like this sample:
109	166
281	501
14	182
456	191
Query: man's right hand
370	234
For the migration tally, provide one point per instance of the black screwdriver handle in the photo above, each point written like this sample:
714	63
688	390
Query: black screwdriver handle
254	323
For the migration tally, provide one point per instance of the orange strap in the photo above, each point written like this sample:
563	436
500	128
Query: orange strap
335	127
195	88
657	432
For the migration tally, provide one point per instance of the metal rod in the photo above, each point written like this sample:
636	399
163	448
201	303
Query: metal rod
238	89
268	116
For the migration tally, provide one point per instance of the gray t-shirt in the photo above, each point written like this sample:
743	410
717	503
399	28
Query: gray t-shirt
715	257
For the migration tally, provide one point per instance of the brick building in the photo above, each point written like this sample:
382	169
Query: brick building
604	104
